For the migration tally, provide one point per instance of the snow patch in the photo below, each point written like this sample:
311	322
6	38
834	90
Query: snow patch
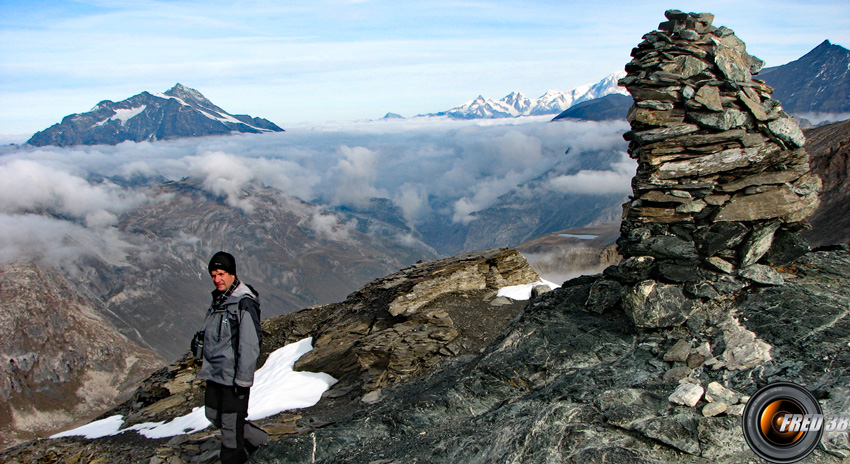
123	115
215	116
96	429
523	292
277	388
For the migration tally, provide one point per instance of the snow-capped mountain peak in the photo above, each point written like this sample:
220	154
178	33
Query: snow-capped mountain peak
178	112
552	102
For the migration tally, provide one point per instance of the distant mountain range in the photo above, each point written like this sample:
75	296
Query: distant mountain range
178	112
516	104
818	82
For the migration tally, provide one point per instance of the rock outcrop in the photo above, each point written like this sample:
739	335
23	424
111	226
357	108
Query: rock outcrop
723	182
563	384
399	326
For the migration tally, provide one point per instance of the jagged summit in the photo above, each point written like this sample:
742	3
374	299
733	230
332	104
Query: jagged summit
516	104
192	98
819	81
178	112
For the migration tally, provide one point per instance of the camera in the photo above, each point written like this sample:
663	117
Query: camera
197	345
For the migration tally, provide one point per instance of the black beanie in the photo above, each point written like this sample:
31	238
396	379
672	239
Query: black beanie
224	261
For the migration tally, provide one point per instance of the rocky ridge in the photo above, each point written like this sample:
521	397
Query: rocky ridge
613	106
402	325
395	329
817	82
566	384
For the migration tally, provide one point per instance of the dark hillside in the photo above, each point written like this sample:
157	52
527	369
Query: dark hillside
817	82
829	149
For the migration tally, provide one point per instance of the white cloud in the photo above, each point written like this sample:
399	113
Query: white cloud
597	182
354	177
329	226
32	187
485	193
413	201
225	175
30	236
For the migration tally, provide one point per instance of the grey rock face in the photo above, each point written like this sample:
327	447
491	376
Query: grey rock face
650	304
61	360
829	147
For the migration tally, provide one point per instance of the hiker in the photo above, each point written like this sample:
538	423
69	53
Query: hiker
231	338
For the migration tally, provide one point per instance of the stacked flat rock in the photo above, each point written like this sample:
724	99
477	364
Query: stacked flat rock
723	184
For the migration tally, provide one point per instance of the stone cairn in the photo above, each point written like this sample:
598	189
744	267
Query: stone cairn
723	184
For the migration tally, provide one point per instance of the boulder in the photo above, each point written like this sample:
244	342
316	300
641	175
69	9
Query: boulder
687	394
650	304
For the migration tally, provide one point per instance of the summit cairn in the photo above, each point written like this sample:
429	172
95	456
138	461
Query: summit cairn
723	184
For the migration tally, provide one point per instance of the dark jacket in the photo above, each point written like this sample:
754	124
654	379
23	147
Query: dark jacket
232	338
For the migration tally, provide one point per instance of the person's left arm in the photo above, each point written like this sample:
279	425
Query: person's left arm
249	342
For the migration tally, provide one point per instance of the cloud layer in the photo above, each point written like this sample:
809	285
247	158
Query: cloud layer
425	166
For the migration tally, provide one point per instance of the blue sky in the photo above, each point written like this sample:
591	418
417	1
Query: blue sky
321	60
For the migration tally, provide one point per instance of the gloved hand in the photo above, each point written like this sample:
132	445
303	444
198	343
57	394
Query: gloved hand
197	345
241	392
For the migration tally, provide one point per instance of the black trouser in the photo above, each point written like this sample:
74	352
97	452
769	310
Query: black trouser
227	410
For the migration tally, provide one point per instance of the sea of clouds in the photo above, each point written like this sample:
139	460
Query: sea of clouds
59	201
